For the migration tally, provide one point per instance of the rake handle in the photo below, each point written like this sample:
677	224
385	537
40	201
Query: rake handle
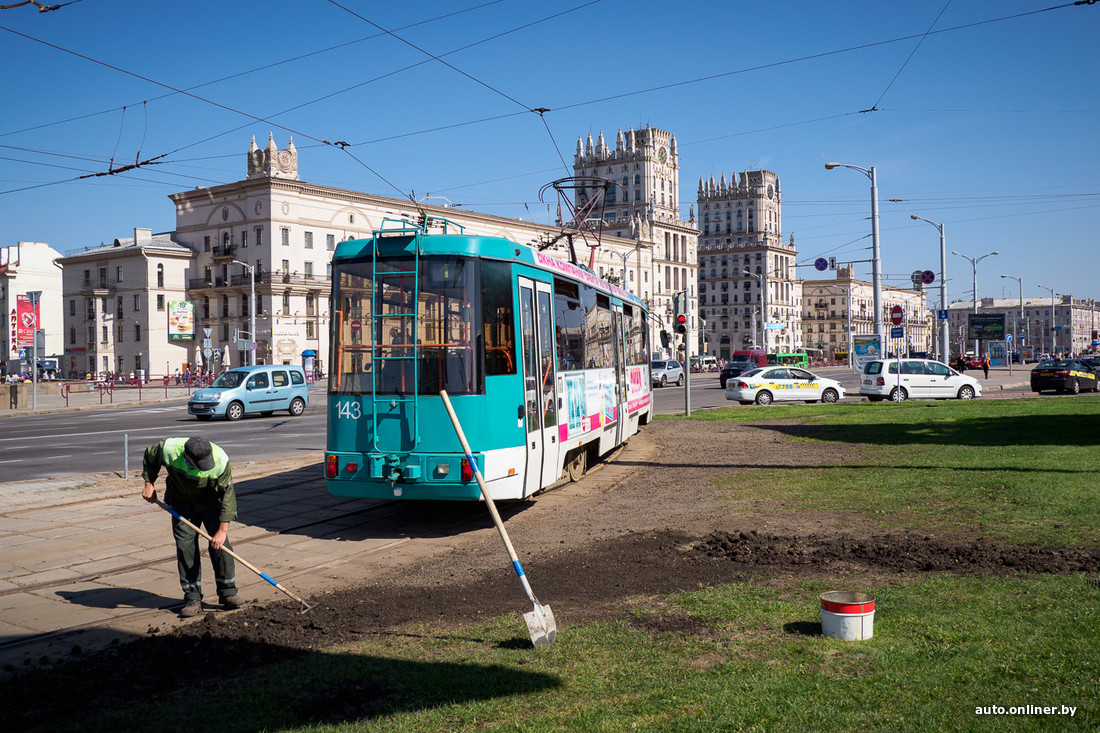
226	550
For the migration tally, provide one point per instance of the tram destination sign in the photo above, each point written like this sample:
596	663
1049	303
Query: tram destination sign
986	327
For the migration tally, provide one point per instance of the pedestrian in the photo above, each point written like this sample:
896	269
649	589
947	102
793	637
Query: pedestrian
199	486
985	366
960	365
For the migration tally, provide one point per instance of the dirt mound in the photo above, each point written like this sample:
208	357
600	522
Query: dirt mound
903	552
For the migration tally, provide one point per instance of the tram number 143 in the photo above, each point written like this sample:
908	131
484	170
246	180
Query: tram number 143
350	410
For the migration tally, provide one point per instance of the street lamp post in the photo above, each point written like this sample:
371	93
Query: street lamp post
763	306
1020	282
876	260
945	352
974	264
626	256
251	310
1052	319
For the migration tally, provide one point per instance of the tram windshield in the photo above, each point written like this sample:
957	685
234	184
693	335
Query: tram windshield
409	326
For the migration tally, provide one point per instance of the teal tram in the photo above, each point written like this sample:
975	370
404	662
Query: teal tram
546	365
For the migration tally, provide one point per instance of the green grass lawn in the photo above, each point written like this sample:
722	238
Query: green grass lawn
747	656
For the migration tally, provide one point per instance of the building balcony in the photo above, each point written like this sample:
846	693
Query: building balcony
224	252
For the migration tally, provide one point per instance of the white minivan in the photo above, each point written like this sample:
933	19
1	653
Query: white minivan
919	379
263	389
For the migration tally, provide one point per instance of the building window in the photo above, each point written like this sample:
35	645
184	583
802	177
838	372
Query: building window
119	334
206	244
118	307
308	270
72	307
286	302
206	307
259	236
160	276
225	332
284	236
309	240
225	239
137	332
91	334
160	302
72	334
244	238
286	267
330	242
309	330
137	303
310	304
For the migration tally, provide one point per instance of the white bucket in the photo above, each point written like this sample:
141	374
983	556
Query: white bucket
847	615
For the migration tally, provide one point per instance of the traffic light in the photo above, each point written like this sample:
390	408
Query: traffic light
679	312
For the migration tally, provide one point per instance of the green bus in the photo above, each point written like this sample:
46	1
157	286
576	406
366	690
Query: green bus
798	359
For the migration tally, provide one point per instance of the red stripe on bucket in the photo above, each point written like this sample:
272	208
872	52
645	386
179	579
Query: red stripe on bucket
833	607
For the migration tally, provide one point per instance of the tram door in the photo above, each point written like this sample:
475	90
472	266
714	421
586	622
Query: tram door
620	373
540	407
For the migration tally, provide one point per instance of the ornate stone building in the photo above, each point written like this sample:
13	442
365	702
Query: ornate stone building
748	291
833	310
644	206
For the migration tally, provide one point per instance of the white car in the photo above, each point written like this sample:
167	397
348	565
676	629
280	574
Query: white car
664	371
782	384
919	378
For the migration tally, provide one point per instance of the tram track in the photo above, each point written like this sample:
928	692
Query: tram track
118	495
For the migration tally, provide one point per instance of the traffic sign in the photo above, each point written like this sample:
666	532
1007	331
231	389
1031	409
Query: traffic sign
356	325
1008	337
928	277
821	264
942	314
896	315
22	353
897	332
206	352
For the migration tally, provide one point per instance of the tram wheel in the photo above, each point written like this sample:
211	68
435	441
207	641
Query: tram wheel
576	464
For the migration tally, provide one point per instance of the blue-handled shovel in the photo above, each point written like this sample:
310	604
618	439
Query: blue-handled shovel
540	621
241	560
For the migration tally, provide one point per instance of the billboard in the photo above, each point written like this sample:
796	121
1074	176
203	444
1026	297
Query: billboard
986	327
24	323
181	320
865	348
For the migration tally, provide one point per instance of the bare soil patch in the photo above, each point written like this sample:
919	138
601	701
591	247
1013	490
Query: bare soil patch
604	548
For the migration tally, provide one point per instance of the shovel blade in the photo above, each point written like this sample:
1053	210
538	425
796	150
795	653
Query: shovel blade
541	626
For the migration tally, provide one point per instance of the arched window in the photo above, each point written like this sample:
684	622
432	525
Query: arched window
160	275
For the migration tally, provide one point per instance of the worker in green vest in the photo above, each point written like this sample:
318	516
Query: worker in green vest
198	485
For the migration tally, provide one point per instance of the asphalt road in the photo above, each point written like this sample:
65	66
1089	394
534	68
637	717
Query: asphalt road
70	443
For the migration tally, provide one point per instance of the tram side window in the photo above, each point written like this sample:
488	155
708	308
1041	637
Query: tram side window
569	324
497	318
635	343
597	331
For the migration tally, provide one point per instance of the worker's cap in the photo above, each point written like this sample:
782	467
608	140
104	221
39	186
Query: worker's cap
198	451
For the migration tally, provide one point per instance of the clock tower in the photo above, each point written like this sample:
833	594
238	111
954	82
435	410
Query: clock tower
644	206
270	162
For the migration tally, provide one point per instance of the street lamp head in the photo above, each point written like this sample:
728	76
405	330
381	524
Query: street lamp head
955	252
830	166
994	252
914	216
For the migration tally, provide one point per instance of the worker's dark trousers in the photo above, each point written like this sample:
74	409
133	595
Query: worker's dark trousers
188	555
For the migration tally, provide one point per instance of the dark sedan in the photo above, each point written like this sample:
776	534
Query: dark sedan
734	369
1067	375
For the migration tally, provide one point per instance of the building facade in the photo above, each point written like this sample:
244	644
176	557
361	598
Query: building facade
749	295
28	267
643	206
1063	325
117	301
834	310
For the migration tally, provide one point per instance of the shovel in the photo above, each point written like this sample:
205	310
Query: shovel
241	560
540	621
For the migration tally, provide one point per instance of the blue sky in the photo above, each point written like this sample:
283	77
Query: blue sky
987	124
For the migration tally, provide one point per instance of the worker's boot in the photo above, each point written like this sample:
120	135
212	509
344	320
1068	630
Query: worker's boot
191	608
